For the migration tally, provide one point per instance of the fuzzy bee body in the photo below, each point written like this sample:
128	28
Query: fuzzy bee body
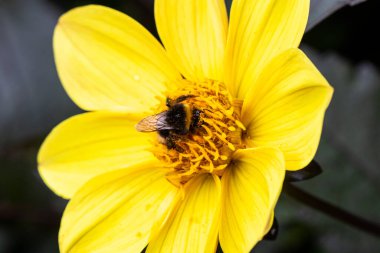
179	119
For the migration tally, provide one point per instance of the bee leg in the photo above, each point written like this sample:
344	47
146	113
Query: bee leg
195	120
179	149
170	143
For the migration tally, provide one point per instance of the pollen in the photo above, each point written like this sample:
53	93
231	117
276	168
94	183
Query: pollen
214	135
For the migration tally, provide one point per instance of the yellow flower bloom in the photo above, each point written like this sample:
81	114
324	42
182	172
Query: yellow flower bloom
251	104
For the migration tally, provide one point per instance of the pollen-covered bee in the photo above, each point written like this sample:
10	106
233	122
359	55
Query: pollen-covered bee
180	119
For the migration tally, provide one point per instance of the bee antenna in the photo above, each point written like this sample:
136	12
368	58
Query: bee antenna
168	102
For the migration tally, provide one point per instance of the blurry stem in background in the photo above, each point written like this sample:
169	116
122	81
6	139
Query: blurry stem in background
331	210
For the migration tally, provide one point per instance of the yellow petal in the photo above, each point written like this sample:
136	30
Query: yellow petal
107	61
258	31
116	211
193	225
285	108
269	223
250	189
194	35
87	145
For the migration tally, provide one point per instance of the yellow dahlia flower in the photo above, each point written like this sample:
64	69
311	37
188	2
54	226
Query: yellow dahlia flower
251	105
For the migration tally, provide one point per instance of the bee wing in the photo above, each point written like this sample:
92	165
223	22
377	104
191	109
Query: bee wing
153	123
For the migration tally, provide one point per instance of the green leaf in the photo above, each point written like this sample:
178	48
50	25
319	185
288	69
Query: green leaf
321	9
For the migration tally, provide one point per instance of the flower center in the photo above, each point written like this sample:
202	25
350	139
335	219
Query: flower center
200	130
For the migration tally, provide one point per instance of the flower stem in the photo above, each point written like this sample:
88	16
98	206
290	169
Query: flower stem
331	210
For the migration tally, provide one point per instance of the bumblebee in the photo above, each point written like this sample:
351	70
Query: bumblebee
180	119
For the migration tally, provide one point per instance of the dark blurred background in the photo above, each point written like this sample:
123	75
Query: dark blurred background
344	46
